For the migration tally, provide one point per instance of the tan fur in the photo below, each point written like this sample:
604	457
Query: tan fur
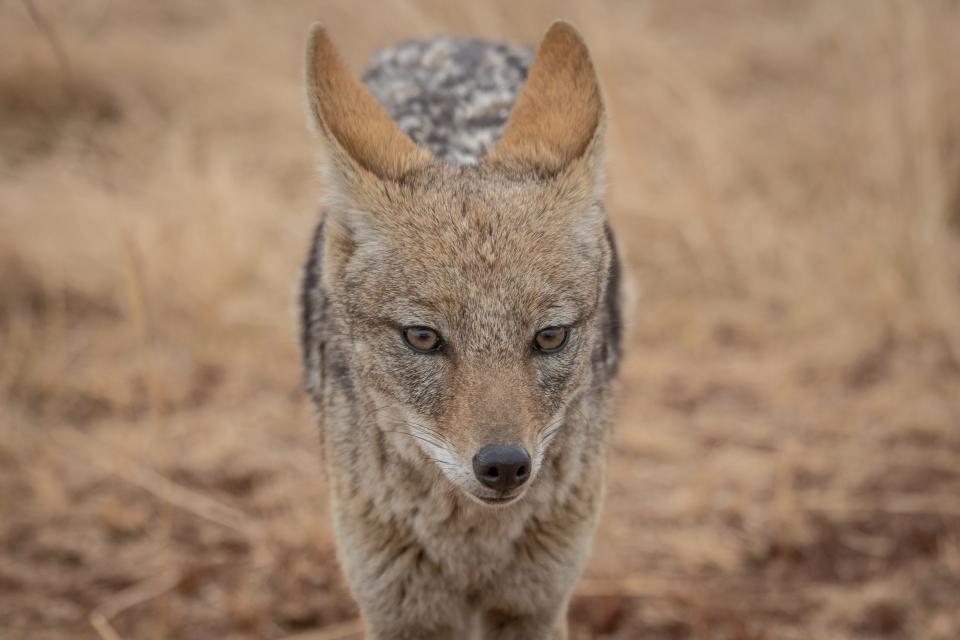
560	110
352	119
487	255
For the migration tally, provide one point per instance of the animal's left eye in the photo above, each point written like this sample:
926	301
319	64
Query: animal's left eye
421	339
551	339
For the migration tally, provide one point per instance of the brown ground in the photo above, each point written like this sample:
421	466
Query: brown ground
785	181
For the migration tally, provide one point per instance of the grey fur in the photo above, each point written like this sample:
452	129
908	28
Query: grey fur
451	95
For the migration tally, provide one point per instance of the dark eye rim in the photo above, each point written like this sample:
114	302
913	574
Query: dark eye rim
566	338
434	349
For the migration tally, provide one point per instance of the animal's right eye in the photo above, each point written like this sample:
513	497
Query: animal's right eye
421	339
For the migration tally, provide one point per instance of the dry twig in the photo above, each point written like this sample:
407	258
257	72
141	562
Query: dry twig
56	46
138	474
120	602
898	504
340	631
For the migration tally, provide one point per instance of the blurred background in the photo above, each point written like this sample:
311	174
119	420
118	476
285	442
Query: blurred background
785	184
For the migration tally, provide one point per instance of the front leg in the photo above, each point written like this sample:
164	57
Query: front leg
529	598
546	626
380	630
403	596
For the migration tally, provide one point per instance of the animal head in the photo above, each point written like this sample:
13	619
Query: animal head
467	297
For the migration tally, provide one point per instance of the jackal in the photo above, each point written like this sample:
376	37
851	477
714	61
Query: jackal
461	329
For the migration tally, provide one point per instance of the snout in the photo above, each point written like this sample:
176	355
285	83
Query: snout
502	467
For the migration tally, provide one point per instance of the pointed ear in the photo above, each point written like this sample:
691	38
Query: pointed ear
558	116
356	128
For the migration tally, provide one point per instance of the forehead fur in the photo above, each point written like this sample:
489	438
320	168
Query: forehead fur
523	230
453	237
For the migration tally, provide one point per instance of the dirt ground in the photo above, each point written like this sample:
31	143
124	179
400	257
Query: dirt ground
785	184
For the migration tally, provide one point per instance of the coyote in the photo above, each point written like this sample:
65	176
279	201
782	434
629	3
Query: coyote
461	329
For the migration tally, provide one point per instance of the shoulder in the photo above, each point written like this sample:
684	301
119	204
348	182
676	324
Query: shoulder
312	311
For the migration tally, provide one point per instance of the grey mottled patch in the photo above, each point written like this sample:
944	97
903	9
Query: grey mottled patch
451	95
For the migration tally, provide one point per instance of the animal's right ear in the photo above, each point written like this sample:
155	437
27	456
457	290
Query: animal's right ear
360	137
366	152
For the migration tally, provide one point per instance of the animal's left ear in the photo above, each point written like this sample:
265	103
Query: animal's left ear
558	118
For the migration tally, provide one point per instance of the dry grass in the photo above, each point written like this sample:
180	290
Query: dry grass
785	181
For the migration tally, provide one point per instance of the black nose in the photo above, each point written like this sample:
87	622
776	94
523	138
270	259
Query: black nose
502	466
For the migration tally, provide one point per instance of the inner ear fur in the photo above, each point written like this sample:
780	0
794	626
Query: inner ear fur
357	130
559	115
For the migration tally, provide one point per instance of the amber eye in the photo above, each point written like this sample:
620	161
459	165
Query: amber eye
551	339
422	339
